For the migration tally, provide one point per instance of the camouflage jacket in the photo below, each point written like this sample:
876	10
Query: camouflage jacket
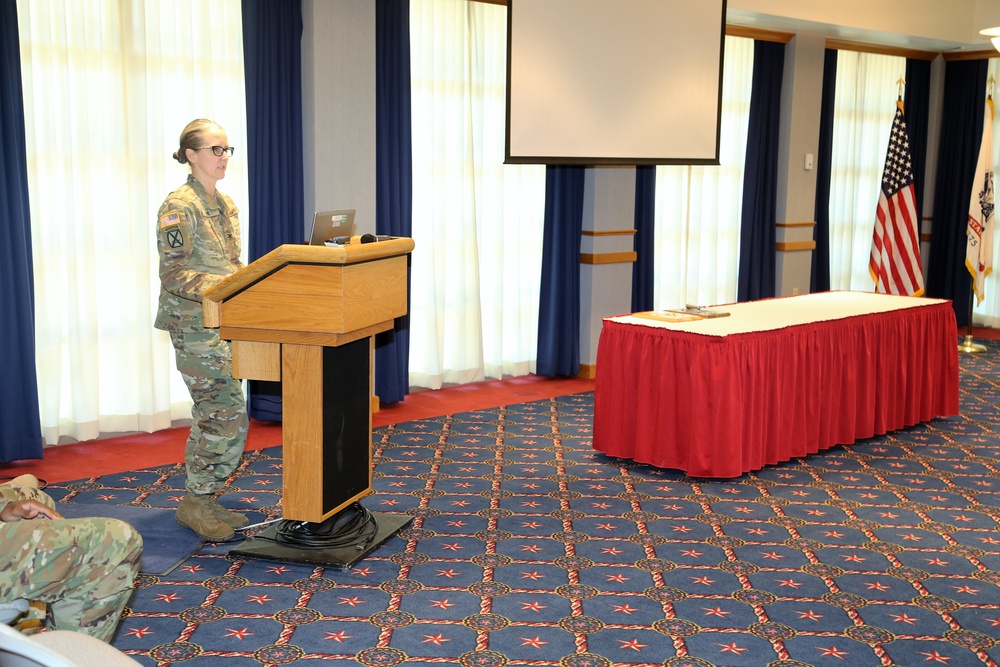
198	240
7	496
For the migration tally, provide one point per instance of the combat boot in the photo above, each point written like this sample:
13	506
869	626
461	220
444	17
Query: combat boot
229	517
197	513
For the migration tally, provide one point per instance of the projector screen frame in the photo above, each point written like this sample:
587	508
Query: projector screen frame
704	157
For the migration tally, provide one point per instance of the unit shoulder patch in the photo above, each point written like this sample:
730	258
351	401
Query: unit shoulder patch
175	239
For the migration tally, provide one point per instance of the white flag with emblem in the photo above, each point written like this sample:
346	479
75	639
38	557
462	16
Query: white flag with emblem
979	244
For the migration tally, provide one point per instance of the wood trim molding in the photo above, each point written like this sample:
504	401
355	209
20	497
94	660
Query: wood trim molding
790	246
847	45
608	258
609	232
759	33
925	238
984	54
795	224
587	371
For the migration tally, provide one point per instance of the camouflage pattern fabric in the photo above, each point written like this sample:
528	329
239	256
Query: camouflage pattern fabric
83	569
198	240
218	416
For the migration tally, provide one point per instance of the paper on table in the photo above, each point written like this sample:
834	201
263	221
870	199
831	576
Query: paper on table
668	315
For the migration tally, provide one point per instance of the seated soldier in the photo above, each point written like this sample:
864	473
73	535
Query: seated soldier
82	569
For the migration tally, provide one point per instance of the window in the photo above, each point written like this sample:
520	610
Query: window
698	208
108	87
477	222
866	95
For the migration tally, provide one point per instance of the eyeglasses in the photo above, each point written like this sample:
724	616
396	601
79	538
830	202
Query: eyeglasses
218	150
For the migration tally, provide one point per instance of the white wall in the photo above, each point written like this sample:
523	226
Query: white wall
605	289
338	108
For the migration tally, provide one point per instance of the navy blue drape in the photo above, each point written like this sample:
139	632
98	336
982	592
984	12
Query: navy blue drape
961	134
559	301
760	179
820	279
20	423
916	107
272	57
393	177
645	228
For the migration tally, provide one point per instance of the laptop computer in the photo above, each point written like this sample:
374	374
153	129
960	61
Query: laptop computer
328	225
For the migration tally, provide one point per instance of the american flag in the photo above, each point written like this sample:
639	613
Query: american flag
895	259
979	245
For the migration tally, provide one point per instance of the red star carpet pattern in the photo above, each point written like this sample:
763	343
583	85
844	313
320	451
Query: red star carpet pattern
529	548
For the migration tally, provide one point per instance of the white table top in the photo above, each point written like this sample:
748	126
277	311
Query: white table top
778	313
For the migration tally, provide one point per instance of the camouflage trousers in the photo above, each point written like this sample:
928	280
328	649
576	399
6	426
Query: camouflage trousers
219	420
83	569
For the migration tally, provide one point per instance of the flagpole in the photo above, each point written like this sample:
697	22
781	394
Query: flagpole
894	262
969	344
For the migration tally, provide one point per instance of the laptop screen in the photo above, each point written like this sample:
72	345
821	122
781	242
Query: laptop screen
328	225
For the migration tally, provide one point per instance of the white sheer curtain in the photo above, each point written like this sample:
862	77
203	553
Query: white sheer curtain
108	87
477	222
987	313
698	207
865	107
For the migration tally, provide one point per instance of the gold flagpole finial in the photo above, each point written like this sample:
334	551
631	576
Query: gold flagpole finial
991	81
901	82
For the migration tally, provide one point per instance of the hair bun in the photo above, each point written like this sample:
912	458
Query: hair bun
180	157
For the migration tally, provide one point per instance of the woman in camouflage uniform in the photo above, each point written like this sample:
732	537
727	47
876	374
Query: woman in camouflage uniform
82	569
198	239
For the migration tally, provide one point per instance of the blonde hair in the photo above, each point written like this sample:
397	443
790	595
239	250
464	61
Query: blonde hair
191	137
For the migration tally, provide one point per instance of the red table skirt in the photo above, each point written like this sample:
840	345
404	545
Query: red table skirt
718	407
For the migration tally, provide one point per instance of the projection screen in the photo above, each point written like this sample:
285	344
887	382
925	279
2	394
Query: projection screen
614	81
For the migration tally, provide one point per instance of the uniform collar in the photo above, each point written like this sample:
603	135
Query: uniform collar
211	204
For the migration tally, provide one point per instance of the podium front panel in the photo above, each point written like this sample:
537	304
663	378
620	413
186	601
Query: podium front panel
346	432
326	428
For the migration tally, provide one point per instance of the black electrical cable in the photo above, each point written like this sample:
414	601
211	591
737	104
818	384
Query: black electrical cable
353	526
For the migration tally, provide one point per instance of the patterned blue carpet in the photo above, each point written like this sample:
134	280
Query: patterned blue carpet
528	548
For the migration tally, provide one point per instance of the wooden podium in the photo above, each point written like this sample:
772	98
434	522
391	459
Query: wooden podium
307	316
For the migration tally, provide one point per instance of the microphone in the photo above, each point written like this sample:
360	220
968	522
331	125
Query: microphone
368	238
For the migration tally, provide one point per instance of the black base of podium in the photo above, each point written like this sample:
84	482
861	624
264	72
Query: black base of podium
264	546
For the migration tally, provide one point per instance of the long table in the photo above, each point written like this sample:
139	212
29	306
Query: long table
775	380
